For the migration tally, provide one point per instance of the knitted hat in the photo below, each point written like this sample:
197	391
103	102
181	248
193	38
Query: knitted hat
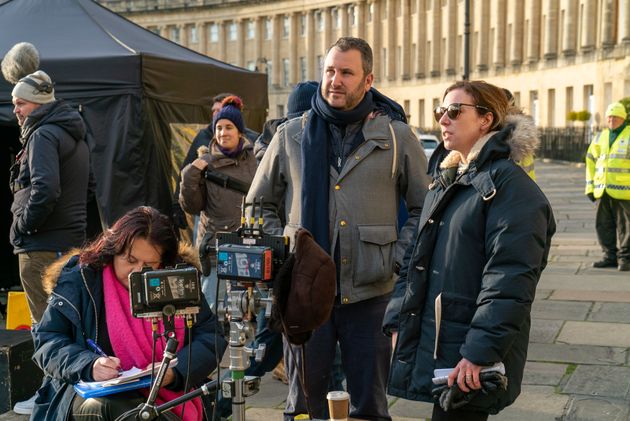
230	110
36	87
616	109
300	98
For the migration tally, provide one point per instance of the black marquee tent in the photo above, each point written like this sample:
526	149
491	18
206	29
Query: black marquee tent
131	86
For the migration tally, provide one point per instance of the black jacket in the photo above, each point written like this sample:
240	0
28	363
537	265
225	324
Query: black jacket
482	243
51	187
72	317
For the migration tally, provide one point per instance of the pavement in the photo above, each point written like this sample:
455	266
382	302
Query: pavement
578	366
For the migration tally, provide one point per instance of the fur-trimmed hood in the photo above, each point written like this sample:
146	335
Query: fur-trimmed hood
523	142
187	254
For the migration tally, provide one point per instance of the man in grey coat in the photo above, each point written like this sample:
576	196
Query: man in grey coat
341	170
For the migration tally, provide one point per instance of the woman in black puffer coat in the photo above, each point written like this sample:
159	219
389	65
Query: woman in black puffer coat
465	291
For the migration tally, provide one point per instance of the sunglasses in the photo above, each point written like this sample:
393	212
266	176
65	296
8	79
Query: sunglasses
453	110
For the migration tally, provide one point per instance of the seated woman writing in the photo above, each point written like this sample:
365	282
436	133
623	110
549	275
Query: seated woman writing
90	300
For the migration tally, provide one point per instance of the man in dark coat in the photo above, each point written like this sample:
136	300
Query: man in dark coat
49	182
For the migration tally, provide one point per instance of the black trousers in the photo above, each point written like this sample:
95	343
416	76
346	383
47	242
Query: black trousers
457	415
612	223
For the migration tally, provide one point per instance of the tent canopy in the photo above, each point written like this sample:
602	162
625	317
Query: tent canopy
130	85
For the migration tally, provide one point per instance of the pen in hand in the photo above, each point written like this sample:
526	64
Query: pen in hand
99	351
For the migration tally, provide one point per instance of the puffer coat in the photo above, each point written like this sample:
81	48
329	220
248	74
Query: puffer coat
469	279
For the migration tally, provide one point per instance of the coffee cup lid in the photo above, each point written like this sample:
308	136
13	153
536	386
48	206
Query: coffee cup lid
338	395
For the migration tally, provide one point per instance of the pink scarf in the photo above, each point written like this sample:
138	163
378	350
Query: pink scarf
132	340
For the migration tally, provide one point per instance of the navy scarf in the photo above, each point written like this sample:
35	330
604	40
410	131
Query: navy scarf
315	162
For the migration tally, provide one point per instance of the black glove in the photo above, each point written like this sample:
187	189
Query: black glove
591	197
179	216
205	252
453	397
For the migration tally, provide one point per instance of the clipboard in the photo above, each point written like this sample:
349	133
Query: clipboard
90	390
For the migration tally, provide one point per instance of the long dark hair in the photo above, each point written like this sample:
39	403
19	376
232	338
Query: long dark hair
487	95
142	222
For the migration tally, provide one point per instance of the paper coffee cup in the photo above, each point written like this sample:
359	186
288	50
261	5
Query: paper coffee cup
338	405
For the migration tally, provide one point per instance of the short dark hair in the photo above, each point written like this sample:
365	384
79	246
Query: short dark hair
361	45
220	97
142	222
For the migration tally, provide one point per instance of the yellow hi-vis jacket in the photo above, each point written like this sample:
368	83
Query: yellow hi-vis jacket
608	167
527	164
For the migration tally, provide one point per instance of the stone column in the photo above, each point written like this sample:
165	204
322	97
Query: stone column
391	39
518	19
482	22
359	8
276	65
377	43
498	60
222	41
405	15
436	36
343	14
183	34
240	42
551	30
294	39
533	33
327	16
570	29
624	29
608	24
451	38
311	72
202	36
258	41
421	38
589	22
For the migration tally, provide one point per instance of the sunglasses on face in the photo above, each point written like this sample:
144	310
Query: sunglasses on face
453	110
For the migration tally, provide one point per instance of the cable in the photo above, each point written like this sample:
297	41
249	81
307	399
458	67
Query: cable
189	328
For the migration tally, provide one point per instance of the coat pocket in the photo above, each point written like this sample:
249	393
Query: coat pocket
374	256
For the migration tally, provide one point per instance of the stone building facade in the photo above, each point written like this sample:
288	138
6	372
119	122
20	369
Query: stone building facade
555	55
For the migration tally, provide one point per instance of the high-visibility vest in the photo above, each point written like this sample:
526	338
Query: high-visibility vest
527	164
608	167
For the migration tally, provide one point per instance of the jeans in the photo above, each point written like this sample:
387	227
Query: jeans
365	357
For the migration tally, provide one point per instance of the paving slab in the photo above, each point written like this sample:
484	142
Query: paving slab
544	374
536	403
610	382
595	333
594	409
410	409
577	354
582	295
560	310
586	281
610	312
544	331
272	394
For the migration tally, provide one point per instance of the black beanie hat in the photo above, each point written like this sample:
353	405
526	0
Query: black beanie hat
231	110
300	98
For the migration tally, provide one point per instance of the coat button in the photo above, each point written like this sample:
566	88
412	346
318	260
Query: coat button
344	260
357	157
420	268
60	303
345	300
430	221
343	223
337	187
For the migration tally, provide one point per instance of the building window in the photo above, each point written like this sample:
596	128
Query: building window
302	69
268	28
232	31
320	65
303	25
251	29
421	113
384	60
175	34
269	72
155	30
285	26
533	106
193	34
251	65
214	33
551	108
319	18
370	12
352	15
568	101
285	72
280	110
